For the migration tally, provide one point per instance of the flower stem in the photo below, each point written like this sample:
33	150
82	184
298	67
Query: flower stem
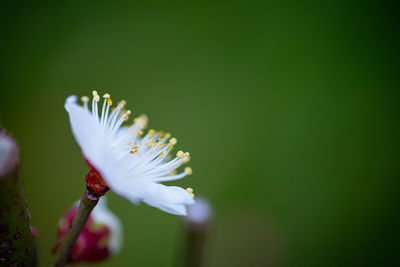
85	208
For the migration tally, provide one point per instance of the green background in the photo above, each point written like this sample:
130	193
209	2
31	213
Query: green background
290	111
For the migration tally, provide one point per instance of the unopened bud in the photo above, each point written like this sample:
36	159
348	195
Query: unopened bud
99	239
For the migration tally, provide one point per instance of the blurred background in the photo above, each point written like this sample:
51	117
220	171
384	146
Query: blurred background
290	111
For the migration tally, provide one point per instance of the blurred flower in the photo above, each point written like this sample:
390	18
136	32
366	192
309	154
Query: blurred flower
100	238
197	227
199	215
122	159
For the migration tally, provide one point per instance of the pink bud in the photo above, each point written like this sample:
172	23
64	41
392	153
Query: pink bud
99	239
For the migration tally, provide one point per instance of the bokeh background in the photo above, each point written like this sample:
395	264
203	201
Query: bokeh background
290	111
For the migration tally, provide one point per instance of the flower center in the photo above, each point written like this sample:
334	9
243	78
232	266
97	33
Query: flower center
95	183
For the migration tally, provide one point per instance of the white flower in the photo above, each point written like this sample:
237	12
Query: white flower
200	212
132	165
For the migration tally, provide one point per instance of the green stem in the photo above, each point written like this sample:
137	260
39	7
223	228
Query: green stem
17	243
85	208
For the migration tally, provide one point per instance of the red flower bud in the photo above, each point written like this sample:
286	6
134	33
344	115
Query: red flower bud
99	239
95	183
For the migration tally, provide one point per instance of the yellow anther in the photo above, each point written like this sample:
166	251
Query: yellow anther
141	121
97	98
123	103
85	99
162	153
186	158
106	96
188	171
140	143
112	109
160	139
180	154
128	112
153	142
109	101
173	141
140	133
94	92
167	135
190	191
171	146
152	132
126	117
162	145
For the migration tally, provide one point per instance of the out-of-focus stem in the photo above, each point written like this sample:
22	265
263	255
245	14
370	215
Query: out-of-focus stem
197	226
85	208
194	249
17	244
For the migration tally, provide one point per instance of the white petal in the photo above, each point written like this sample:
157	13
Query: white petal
170	199
171	208
84	129
168	194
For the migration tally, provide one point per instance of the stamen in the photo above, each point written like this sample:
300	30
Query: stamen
188	171
141	121
190	191
109	101
173	141
186	158
180	154
123	103
85	101
95	111
153	142
106	96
